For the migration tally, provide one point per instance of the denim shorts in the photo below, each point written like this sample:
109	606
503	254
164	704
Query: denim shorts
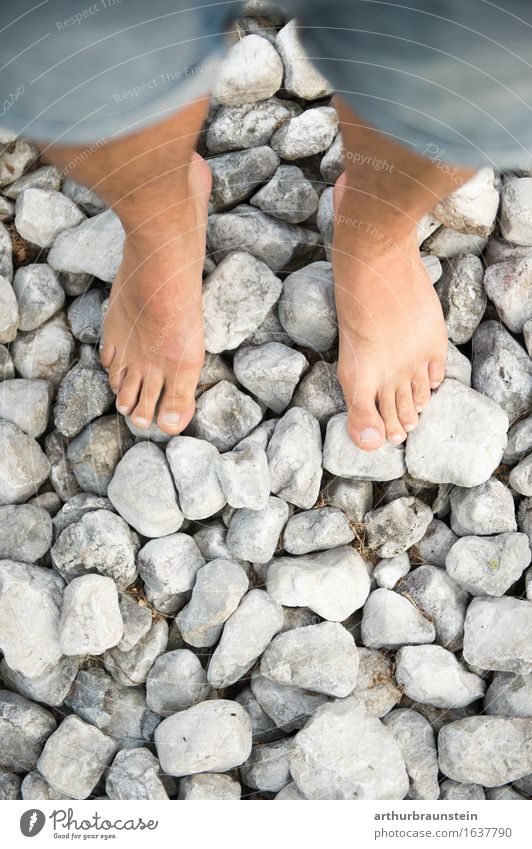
451	79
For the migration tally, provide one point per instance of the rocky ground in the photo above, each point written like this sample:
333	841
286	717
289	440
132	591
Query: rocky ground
258	608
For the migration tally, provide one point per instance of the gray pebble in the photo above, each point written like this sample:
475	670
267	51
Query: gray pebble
246	634
219	587
320	393
251	71
74	757
23	465
390	621
95	452
502	370
322	658
271	372
294	458
142	491
135	774
25	532
99	542
254	534
212	736
46	352
342	457
176	681
484	509
42	214
307	309
237	174
457	418
508	621
288	195
90	617
432	675
236	298
462	296
398	525
24	727
440	599
244	477
224	415
39	294
193	466
26	403
415	738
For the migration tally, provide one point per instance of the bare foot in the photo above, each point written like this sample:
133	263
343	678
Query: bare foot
392	332
153	331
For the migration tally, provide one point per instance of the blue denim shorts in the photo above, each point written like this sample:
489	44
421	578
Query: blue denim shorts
451	79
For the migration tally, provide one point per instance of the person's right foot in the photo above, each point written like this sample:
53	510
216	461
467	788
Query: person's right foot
153	331
392	332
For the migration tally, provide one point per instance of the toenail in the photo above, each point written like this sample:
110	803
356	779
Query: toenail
138	422
409	427
420	408
435	384
172	419
396	438
122	410
369	434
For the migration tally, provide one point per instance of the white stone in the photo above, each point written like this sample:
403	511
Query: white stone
39	294
521	477
46	352
193	466
486	750
440	448
294	458
212	736
41	214
26	403
94	247
498	634
217	592
254	534
392	529
176	681
252	71
9	317
332	583
432	675
246	634
440	599
307	308
415	738
342	457
267	767
391	621
344	753
244	477
90	616
502	369
488	565
271	372
471	208
142	491
509	285
316	530
484	509
23	465
224	415
236	298
322	658
301	77
307	134
388	571
516	211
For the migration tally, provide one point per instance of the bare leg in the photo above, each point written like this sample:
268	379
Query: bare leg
153	331
392	333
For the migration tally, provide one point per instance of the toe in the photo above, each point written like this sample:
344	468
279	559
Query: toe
177	403
117	374
421	389
436	372
405	407
107	353
364	424
394	430
142	415
129	391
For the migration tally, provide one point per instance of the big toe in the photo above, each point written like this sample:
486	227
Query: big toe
364	423
177	404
